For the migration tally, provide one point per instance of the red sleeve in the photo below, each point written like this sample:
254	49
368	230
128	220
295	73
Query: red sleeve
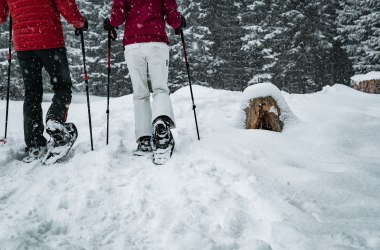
69	10
119	12
3	11
173	18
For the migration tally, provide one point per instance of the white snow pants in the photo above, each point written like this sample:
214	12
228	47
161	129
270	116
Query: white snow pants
140	58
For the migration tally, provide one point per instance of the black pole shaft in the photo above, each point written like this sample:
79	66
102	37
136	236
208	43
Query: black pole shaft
188	74
108	86
9	75
87	89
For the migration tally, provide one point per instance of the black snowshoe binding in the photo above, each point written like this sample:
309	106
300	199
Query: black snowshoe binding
34	154
162	141
63	137
143	147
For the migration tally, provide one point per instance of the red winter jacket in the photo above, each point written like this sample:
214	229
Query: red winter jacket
37	24
145	19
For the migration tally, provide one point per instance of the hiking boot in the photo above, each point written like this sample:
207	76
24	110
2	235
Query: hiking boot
58	132
34	153
162	140
63	137
143	146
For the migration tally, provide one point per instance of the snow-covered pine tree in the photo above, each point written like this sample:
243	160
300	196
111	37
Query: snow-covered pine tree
290	71
231	43
198	42
228	69
348	32
369	24
96	52
304	45
256	43
16	85
341	70
359	30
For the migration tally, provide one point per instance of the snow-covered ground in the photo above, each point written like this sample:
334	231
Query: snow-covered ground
316	185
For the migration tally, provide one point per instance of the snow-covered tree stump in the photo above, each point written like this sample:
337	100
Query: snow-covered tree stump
369	83
263	113
264	107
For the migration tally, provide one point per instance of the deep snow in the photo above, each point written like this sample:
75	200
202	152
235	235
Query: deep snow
316	185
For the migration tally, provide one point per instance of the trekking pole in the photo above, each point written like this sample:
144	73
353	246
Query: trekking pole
113	37
86	81
188	74
9	79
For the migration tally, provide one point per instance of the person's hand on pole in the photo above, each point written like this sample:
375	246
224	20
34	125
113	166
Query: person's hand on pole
183	25
84	28
108	27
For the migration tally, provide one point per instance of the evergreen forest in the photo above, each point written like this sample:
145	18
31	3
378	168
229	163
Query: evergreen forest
298	45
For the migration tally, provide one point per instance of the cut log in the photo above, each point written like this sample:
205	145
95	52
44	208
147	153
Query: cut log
263	113
369	86
369	83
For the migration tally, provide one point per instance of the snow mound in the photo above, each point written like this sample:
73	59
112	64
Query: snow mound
373	75
313	186
265	90
340	90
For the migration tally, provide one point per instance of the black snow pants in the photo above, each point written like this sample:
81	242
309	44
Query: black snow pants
56	64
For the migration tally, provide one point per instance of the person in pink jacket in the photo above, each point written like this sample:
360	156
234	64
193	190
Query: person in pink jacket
146	50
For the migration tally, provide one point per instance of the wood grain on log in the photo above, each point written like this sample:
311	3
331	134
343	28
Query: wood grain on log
263	113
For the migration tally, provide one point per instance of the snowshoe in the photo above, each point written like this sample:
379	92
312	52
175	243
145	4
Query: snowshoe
63	138
34	154
143	147
162	141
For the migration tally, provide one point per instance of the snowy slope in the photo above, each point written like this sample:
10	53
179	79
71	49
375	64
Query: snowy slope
314	186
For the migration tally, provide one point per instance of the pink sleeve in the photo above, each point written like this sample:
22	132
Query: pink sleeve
3	11
173	17
69	10
119	12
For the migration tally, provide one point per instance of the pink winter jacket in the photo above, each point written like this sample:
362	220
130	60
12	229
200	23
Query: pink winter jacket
145	19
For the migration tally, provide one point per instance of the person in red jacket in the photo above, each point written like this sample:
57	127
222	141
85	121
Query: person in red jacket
146	50
39	43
